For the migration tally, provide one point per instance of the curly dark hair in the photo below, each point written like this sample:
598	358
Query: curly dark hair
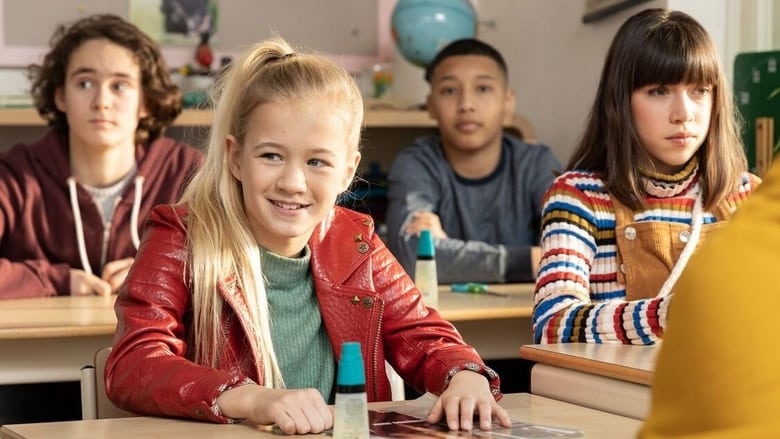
162	98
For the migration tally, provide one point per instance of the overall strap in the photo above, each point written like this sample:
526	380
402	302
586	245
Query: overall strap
623	214
697	220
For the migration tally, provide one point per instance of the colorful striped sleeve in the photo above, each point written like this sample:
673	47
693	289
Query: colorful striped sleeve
577	297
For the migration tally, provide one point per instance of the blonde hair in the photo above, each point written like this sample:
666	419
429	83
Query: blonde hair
223	250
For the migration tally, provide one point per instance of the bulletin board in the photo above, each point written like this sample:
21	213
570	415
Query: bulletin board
352	31
757	94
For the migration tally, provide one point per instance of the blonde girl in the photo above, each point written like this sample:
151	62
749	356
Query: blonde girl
242	295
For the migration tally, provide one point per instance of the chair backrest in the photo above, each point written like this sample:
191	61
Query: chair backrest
521	127
94	401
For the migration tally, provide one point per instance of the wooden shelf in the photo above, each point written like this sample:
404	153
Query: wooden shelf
28	117
20	117
398	118
373	118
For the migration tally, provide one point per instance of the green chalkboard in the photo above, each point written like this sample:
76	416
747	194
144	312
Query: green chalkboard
757	93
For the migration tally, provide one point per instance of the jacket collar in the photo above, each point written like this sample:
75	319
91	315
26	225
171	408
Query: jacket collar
337	252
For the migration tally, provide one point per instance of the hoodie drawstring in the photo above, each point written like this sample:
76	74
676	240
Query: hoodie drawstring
139	185
74	207
697	220
77	222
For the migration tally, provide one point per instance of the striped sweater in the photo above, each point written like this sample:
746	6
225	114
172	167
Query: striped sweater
578	297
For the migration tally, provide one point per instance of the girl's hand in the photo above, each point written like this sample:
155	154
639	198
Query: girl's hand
468	395
294	411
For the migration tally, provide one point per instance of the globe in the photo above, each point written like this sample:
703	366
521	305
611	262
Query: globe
423	27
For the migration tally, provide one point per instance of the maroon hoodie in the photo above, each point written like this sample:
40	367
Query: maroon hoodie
38	237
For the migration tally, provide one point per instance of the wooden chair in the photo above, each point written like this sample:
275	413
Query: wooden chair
397	388
521	127
94	401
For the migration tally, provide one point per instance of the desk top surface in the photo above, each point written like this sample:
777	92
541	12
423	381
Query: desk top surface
625	362
521	407
457	307
75	316
61	316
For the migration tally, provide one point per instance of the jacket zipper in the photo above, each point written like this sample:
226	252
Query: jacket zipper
375	359
106	234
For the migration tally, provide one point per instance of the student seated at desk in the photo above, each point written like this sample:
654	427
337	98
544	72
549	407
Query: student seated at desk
479	190
241	297
660	165
717	371
72	203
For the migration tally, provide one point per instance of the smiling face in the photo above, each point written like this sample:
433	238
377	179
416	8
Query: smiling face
672	122
102	96
294	161
469	99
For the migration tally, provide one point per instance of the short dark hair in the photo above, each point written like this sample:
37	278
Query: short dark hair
466	46
162	97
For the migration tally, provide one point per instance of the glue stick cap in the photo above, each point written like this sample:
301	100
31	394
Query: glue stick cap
351	365
425	244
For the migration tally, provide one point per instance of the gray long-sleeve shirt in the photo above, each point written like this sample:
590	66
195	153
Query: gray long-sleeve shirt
491	223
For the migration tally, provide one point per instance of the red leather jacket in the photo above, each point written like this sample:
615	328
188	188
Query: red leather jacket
364	295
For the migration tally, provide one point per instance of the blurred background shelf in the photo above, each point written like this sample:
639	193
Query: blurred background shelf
189	117
28	117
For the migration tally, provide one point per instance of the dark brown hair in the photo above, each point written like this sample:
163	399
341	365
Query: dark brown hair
161	96
659	46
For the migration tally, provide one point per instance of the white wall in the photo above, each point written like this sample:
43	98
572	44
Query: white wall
554	62
554	59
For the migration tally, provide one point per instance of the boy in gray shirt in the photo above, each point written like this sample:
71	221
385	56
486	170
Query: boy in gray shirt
476	188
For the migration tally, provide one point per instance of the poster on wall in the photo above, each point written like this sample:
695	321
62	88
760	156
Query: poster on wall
176	22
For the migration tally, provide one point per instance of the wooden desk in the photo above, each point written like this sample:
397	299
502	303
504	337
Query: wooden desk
50	339
609	377
521	407
494	325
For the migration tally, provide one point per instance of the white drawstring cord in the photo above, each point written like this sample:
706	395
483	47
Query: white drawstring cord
697	219
139	184
74	206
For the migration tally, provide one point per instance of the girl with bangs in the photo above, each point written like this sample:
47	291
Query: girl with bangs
660	165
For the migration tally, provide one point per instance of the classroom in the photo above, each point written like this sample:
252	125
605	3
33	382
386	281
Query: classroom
53	349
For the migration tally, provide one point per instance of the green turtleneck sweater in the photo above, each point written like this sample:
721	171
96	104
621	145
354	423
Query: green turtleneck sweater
302	346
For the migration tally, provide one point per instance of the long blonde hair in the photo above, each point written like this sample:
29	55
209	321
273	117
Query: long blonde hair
223	250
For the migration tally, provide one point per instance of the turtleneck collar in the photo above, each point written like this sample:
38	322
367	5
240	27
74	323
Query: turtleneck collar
282	272
665	185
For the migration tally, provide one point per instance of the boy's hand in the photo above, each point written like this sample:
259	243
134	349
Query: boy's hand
294	411
85	284
467	395
425	220
115	272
